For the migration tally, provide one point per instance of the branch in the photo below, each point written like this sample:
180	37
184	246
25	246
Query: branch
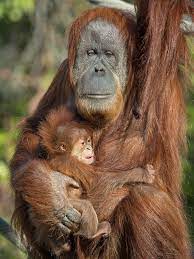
115	4
187	25
7	232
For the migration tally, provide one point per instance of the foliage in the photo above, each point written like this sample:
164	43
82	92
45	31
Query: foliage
15	9
8	251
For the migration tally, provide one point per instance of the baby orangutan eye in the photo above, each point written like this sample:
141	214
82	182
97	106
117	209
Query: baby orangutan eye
62	147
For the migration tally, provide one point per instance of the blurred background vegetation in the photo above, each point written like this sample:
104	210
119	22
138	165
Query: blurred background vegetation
32	45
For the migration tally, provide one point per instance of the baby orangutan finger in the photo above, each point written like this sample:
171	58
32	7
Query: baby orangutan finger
104	230
150	172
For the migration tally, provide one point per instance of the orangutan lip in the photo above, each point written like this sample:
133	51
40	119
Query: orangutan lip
98	96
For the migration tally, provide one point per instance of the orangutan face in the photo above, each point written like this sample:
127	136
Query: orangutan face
100	72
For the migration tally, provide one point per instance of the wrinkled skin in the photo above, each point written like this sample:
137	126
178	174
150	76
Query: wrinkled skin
100	72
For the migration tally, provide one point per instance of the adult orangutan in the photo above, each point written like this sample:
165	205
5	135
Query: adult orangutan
123	77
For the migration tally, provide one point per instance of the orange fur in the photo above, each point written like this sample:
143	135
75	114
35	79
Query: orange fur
148	222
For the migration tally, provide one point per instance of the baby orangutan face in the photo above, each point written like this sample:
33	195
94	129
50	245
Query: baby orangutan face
83	150
77	142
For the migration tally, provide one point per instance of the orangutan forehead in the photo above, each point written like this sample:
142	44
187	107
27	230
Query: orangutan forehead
102	33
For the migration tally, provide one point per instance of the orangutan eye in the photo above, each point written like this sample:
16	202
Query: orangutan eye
109	53
91	52
82	143
89	140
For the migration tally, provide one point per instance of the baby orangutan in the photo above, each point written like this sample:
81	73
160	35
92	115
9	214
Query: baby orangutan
70	152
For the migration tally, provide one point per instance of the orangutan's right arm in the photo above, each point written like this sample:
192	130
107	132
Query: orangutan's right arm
40	191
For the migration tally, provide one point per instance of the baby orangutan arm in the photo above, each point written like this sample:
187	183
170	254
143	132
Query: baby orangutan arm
112	187
115	180
136	175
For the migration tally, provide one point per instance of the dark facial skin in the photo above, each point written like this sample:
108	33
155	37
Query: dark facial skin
100	68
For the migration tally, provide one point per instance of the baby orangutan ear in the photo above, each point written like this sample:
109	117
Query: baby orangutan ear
61	129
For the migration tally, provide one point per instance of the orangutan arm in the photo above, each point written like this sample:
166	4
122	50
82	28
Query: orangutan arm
41	198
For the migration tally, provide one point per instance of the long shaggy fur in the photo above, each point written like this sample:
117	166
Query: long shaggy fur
149	222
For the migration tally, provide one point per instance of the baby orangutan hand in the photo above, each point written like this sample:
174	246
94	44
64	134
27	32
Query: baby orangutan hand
141	175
